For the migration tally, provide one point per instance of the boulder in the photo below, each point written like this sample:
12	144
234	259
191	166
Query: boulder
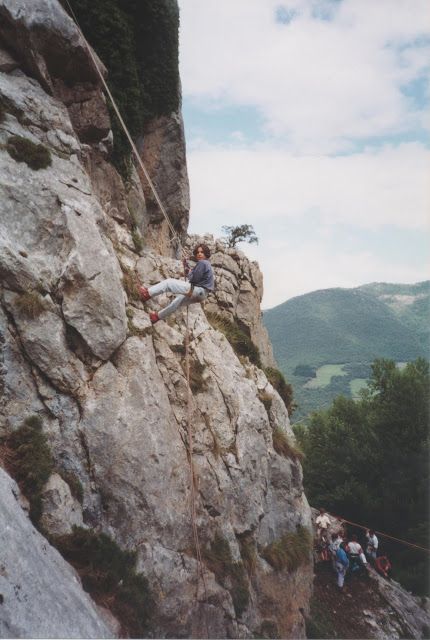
41	595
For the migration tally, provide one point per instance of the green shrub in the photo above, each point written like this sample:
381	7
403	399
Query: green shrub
285	390
108	574
32	462
30	304
231	575
284	447
290	551
237	337
36	156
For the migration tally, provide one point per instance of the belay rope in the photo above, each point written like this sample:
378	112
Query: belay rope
187	335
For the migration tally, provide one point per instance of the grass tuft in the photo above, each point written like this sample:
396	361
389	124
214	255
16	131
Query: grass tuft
285	390
237	337
290	551
231	575
266	399
284	447
36	156
108	574
30	304
130	283
248	554
31	462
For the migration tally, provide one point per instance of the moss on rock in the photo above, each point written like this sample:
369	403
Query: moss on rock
230	574
290	551
36	156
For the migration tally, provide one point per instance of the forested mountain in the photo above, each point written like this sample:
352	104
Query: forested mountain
325	341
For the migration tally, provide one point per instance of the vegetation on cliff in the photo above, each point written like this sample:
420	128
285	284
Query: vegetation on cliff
137	40
30	461
108	574
367	461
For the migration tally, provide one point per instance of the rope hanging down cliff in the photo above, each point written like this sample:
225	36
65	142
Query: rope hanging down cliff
176	237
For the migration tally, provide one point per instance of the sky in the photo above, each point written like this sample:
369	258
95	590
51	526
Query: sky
309	120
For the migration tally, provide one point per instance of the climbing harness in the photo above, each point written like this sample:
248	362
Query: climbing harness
187	341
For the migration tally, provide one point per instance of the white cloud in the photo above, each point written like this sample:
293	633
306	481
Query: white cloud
294	270
388	186
331	79
319	82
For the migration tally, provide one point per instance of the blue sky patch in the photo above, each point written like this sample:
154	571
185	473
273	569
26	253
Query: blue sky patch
220	124
418	91
283	15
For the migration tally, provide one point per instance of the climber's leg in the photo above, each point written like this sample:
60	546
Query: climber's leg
199	294
170	285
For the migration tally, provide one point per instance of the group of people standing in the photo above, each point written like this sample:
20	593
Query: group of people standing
345	552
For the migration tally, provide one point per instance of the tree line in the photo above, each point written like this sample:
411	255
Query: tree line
368	461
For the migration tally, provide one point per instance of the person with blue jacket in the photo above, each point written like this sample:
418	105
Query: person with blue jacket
342	564
200	281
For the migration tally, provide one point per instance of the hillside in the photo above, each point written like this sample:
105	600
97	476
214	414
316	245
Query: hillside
325	341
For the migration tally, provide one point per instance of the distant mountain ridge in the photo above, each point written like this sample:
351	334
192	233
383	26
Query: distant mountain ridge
346	329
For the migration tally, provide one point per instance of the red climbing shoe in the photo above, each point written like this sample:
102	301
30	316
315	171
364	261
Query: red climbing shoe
144	294
153	316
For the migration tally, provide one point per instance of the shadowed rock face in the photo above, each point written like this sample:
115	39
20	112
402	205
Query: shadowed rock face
110	388
162	150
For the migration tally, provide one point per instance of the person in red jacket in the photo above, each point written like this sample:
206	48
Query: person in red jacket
383	566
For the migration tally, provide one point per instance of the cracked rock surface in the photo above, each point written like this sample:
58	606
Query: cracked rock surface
77	350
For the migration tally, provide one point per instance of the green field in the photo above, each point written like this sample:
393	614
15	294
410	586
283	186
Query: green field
356	385
325	375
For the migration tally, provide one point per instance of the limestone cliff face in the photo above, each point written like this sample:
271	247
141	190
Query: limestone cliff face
238	293
79	352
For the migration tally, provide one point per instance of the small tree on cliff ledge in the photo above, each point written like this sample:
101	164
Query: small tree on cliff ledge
241	233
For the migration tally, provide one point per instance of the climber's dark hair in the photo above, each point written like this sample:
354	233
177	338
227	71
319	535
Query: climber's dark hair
204	248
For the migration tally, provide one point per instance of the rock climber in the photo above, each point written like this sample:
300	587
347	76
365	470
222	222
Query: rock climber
372	544
196	289
323	523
